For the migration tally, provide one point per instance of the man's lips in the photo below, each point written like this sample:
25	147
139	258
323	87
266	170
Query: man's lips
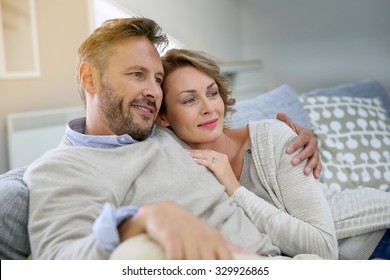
144	108
209	123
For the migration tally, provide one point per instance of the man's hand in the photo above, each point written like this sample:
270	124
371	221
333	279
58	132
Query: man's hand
308	141
181	234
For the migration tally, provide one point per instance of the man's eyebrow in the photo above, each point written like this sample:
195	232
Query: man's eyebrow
144	69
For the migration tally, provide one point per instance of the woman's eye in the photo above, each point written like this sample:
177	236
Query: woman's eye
213	94
188	101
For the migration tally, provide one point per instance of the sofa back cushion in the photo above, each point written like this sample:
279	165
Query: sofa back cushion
365	89
14	241
266	105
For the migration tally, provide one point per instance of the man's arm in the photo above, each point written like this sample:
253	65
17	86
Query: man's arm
181	234
308	141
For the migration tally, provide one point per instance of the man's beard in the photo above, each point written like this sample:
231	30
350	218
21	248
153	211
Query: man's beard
119	117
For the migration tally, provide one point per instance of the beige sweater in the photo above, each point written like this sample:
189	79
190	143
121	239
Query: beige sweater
361	216
69	185
295	213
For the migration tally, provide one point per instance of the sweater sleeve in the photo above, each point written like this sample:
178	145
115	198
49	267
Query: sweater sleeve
303	222
61	214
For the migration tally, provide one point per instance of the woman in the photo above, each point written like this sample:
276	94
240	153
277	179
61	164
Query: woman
284	203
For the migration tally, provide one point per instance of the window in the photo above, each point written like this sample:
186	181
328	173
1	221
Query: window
18	39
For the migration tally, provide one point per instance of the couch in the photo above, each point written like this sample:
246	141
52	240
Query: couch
351	122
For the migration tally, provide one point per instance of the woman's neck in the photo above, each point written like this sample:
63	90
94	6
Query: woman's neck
232	143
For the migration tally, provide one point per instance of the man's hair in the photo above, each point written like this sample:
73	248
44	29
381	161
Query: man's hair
98	47
178	58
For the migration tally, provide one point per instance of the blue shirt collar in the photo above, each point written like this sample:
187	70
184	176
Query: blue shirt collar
75	134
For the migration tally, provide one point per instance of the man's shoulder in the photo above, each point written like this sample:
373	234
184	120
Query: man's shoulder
165	135
56	156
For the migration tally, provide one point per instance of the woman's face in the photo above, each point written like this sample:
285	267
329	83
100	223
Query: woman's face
194	108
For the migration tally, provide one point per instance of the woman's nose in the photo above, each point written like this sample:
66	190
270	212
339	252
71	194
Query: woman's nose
206	107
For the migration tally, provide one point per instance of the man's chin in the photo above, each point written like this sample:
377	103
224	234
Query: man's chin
142	134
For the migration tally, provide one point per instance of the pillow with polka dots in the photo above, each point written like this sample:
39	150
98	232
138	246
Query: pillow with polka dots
354	141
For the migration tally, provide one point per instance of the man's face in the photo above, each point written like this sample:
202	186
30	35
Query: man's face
130	94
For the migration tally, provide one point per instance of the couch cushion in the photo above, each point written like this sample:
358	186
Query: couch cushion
14	241
365	88
354	141
265	106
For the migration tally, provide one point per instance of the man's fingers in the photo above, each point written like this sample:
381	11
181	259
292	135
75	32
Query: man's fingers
303	140
284	118
223	253
318	168
313	165
173	249
306	153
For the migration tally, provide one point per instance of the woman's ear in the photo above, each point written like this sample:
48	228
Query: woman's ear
87	77
162	120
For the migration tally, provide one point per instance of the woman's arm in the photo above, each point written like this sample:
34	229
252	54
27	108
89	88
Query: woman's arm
302	223
305	223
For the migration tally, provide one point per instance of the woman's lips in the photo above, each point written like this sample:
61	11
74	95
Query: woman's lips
209	124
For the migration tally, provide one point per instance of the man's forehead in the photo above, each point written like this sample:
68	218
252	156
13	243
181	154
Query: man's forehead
138	51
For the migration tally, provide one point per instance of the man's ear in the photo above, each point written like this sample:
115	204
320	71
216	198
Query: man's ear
162	120
88	77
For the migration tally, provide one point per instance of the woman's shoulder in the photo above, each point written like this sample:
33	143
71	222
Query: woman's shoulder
270	125
273	132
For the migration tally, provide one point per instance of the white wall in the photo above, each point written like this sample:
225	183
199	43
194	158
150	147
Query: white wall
306	43
315	43
212	26
61	26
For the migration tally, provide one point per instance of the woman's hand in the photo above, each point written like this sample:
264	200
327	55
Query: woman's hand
220	166
309	142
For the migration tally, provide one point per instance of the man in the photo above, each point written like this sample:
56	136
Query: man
116	156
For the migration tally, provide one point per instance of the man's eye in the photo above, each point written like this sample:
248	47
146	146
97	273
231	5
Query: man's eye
137	74
159	80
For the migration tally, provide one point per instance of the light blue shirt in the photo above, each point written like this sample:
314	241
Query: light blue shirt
105	227
75	134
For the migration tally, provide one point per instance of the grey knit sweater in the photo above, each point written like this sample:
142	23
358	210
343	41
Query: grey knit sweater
292	208
361	216
69	185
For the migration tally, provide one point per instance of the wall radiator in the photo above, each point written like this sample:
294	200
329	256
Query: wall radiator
31	134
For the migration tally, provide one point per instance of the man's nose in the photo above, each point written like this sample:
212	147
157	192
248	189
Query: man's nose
152	90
